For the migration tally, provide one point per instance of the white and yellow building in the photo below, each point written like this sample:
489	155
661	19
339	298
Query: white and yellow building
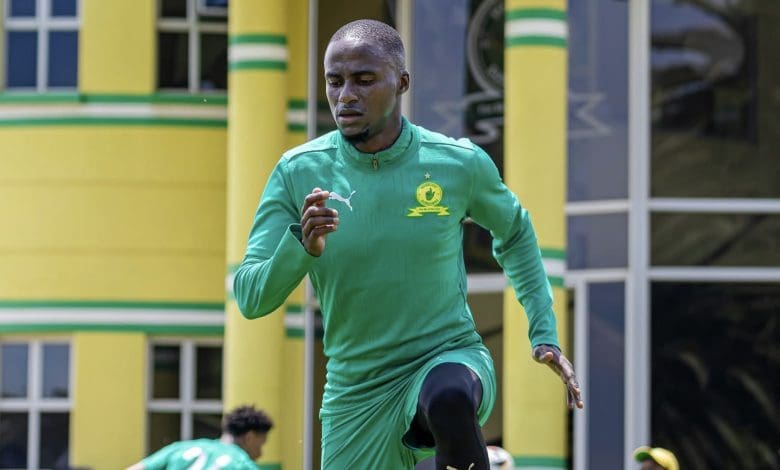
136	136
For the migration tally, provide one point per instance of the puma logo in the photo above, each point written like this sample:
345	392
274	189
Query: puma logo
450	467
341	198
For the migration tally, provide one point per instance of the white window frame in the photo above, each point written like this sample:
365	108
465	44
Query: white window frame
35	403
193	26
42	23
186	405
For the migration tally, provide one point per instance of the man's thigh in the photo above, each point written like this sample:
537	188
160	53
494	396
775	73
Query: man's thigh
366	438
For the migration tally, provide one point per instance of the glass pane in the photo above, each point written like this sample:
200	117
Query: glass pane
14	370
213	61
478	249
63	8
172	60
715	371
598	100
21	62
167	367
208	362
63	58
164	428
56	370
55	433
606	327
13	440
715	240
463	65
597	241
715	105
207	425
23	7
173	8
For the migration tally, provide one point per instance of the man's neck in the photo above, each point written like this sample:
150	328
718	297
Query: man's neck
385	139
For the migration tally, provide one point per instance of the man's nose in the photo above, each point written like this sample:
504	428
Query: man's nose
347	94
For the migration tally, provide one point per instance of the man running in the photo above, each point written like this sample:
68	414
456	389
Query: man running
406	368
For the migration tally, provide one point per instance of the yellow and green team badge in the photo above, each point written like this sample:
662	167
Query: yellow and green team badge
429	195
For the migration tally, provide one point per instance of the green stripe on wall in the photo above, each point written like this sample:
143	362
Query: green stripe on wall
535	41
257	39
39	97
540	461
113	121
556	253
296	127
127	304
152	329
269	466
556	281
297	103
258	65
293	308
535	13
155	98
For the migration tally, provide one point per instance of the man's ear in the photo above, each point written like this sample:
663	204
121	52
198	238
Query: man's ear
403	82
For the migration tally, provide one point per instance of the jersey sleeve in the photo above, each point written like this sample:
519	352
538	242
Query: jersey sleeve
515	247
275	261
159	459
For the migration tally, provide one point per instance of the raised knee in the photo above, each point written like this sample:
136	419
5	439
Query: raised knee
449	406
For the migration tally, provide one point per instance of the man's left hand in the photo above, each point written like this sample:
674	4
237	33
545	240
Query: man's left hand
554	358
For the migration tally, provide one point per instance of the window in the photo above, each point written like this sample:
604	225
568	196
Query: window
192	45
715	349
715	130
34	404
41	44
185	391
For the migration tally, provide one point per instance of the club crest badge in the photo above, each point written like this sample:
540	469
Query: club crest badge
429	196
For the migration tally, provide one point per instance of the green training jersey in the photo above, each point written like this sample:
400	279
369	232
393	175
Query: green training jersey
200	454
392	281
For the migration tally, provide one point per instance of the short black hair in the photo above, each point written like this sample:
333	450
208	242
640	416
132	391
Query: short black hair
377	32
243	419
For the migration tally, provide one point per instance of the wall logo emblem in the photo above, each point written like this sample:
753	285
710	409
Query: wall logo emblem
428	195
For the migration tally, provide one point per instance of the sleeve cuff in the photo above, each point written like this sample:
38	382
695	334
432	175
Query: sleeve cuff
291	250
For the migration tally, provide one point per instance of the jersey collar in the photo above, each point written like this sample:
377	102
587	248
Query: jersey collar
403	145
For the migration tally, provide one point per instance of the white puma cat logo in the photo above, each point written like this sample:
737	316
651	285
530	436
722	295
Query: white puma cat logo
341	198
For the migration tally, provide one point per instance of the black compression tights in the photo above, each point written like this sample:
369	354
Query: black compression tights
447	418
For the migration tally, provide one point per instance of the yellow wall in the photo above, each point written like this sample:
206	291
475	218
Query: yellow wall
109	414
112	213
117	46
256	139
535	168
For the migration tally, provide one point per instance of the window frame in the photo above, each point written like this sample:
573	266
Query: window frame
35	404
42	24
193	25
187	405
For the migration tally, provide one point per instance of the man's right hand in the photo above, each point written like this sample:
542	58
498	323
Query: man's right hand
317	221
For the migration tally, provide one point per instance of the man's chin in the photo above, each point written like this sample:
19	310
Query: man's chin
355	137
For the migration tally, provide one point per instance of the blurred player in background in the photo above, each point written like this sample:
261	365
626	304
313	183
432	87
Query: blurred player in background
244	432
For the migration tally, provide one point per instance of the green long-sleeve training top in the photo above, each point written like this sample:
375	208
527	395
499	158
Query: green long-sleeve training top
392	281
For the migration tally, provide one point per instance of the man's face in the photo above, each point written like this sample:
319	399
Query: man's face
649	464
253	442
363	87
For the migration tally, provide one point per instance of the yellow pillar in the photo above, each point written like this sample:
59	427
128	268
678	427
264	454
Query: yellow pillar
117	46
107	421
293	380
257	97
535	168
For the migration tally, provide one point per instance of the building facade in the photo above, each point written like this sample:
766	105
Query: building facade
135	138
